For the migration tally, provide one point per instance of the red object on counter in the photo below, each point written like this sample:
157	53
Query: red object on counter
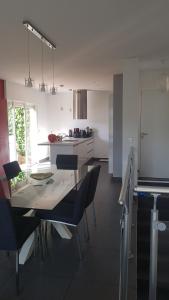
52	138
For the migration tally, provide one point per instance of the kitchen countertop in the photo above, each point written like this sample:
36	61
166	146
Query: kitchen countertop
69	141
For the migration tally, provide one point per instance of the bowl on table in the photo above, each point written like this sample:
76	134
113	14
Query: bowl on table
41	178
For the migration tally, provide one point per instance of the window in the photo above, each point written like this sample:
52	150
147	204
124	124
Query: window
22	124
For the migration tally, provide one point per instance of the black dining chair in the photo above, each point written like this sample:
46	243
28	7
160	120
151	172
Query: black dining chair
12	170
14	231
67	161
68	214
91	191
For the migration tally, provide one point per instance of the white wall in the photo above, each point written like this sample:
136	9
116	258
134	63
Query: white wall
17	92
130	109
136	76
60	117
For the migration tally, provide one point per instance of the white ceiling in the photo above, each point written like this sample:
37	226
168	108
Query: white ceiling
90	36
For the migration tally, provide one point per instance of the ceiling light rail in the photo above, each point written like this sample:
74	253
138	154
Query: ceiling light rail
39	35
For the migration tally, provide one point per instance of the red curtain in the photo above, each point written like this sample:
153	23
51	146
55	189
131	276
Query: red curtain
4	142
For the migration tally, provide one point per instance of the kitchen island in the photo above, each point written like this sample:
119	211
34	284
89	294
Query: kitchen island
83	147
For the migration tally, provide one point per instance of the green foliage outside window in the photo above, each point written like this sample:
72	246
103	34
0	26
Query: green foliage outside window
10	119
16	126
20	178
16	120
20	129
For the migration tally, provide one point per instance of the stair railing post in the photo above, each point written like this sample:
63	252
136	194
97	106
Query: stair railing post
124	257
153	250
126	199
121	252
130	208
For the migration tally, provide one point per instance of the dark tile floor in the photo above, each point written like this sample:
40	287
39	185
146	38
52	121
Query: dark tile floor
62	276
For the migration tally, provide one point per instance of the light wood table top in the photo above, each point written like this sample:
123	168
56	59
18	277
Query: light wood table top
48	195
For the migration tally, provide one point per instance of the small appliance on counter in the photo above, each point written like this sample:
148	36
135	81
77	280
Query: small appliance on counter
81	133
76	132
70	133
89	131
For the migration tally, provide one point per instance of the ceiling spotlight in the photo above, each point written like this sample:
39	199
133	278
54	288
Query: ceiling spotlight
53	89
29	80
42	86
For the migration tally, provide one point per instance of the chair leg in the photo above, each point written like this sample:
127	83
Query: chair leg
36	242
17	273
52	230
46	236
85	230
41	242
87	226
94	213
77	235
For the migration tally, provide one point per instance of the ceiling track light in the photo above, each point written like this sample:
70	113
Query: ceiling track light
39	34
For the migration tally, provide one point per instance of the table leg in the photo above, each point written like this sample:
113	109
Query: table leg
63	230
26	249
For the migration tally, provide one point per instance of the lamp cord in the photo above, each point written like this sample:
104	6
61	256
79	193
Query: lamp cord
42	61
53	66
28	52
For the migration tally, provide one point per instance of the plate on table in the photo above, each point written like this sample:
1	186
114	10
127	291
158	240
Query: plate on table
41	178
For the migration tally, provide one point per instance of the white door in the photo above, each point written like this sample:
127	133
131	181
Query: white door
154	141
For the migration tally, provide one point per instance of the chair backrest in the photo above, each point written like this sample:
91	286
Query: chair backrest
67	162
7	231
93	184
12	169
79	204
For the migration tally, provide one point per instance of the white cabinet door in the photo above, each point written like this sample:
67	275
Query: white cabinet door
80	150
85	150
90	148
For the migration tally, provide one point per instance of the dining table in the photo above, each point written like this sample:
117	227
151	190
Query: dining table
46	194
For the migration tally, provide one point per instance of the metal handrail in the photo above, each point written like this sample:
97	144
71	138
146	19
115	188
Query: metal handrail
126	201
123	192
